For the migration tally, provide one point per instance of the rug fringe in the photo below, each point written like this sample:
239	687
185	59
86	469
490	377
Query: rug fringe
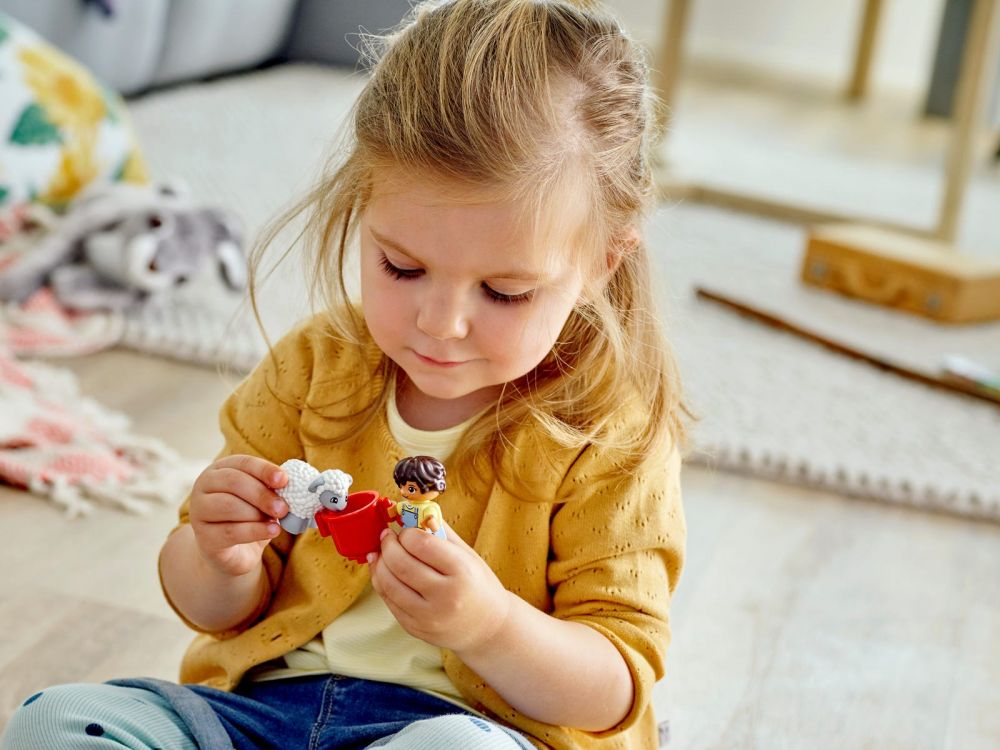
841	479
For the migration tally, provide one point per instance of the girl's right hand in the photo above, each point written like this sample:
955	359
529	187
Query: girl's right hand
234	511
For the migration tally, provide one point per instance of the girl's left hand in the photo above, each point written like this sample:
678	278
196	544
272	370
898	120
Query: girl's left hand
440	591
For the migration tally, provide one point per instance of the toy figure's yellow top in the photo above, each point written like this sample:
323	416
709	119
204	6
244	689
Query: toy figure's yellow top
563	530
419	512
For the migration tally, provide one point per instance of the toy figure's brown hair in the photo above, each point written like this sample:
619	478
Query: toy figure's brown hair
425	471
545	103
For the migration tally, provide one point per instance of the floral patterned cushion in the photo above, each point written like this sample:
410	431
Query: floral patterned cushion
60	129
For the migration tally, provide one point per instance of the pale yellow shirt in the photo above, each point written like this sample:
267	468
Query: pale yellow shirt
366	641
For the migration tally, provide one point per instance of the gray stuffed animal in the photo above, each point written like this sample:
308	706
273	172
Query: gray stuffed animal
119	243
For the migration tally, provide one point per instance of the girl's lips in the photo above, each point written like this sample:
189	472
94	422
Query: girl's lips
435	362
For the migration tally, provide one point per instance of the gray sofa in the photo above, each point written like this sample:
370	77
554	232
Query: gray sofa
135	46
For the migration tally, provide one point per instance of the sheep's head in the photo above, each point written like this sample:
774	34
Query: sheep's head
308	490
332	486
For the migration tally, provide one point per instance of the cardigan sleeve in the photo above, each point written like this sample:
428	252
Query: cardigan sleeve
616	552
261	418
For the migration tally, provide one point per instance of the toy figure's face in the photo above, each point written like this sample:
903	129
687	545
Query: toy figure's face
411	491
456	291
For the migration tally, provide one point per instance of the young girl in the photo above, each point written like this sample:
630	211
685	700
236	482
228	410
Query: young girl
495	183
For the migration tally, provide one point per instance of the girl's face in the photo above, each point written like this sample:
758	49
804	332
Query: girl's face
456	292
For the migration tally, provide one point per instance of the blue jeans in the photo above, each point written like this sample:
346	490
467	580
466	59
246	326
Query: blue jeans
324	712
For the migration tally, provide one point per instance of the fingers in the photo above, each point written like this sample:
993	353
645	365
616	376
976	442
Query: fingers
401	598
405	555
455	538
236	480
444	557
265	471
218	536
243	489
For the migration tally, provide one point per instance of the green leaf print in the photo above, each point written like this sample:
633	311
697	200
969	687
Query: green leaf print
111	104
4	192
3	32
119	175
34	128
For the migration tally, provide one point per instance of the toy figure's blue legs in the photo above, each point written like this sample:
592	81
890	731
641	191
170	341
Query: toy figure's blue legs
453	730
440	532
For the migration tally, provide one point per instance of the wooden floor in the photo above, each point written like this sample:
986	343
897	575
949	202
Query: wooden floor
803	619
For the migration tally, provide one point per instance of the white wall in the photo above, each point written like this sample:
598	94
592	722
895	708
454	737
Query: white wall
814	38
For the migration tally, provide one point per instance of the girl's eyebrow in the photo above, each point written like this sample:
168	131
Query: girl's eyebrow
392	244
512	275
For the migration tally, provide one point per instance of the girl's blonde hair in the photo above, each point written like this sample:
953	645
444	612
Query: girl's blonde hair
540	101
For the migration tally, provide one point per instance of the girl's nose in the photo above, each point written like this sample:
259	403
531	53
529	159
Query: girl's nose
442	317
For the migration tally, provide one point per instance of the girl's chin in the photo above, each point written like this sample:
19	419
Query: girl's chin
449	389
438	390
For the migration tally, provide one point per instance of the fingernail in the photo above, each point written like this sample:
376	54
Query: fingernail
277	508
273	529
370	557
382	535
276	478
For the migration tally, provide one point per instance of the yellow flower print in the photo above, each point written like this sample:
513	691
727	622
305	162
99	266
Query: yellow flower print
77	169
66	92
135	170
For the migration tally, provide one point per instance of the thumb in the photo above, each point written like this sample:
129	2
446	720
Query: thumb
453	536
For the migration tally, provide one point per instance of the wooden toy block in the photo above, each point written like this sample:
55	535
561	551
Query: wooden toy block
903	272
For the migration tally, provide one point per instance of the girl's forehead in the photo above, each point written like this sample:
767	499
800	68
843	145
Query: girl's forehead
421	215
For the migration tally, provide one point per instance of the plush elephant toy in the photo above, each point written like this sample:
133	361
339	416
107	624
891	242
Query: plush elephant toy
119	243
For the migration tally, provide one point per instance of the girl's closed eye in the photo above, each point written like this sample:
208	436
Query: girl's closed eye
395	271
399	273
507	299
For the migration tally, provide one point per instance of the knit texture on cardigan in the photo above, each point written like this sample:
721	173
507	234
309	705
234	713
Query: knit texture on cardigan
572	538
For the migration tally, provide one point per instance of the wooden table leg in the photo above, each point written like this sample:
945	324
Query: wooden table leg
668	60
979	63
867	35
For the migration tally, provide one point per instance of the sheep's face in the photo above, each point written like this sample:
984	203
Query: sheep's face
333	500
308	490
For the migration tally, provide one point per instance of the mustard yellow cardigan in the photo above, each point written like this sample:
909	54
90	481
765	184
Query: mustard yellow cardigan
573	538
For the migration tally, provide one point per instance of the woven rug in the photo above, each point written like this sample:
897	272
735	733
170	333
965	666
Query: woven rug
770	404
59	444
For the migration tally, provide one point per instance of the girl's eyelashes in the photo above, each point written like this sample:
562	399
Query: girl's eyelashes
395	271
399	274
507	299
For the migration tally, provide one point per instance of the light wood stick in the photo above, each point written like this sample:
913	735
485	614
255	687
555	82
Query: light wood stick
883	364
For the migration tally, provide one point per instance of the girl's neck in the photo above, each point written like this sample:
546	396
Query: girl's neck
424	412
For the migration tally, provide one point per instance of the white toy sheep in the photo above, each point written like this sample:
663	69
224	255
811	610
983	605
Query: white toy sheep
308	490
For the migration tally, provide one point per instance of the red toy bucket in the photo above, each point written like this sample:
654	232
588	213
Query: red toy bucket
356	529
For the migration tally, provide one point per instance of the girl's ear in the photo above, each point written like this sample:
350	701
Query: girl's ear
622	245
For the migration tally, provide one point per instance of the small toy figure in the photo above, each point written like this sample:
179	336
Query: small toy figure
420	479
310	493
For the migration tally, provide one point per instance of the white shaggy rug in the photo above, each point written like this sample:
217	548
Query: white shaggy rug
778	406
770	404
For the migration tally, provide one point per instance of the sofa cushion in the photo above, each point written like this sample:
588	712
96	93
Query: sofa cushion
60	129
